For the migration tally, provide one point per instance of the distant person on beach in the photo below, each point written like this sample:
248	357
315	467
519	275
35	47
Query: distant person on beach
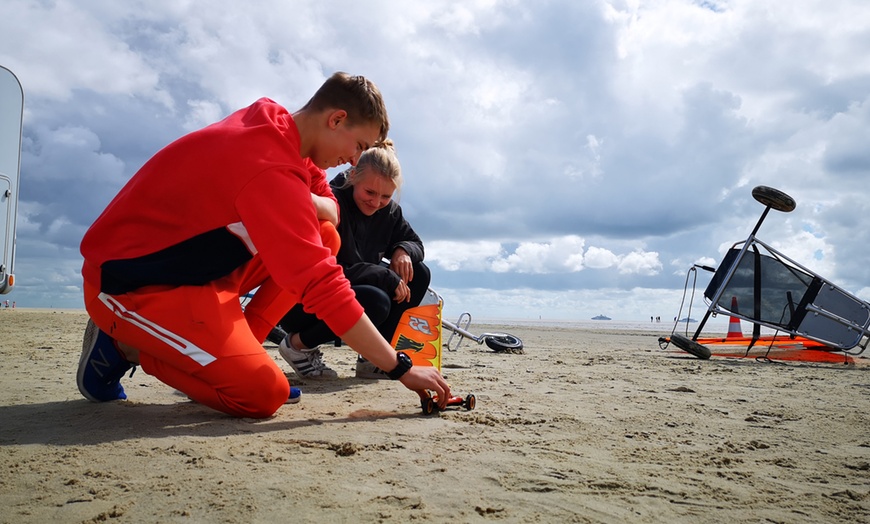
212	216
372	228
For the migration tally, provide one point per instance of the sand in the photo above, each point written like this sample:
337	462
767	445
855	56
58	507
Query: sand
589	425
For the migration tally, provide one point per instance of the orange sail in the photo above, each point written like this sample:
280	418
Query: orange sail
419	335
775	347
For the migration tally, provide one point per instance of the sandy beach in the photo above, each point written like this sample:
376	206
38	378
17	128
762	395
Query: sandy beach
588	425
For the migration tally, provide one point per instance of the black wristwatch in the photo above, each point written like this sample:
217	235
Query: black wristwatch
402	367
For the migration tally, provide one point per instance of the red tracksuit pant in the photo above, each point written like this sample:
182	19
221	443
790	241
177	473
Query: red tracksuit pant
198	340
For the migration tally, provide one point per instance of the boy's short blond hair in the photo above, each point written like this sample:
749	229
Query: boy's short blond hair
357	95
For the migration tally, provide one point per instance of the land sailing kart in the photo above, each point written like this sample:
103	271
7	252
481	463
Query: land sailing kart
781	295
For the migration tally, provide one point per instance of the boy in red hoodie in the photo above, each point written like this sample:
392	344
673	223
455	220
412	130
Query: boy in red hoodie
213	215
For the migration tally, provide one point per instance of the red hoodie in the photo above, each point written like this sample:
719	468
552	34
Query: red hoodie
206	203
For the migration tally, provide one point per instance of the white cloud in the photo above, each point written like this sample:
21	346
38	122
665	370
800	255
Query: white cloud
559	255
59	47
468	256
640	262
599	258
201	114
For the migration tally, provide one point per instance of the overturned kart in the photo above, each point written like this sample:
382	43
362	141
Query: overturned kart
781	295
498	342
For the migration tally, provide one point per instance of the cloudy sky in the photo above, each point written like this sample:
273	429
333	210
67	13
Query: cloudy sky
563	158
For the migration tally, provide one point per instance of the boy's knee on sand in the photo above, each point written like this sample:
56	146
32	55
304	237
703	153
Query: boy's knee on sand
257	392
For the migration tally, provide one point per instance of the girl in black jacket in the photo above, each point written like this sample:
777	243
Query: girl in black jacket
381	255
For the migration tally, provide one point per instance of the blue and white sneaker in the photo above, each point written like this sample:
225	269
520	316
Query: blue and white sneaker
101	367
295	395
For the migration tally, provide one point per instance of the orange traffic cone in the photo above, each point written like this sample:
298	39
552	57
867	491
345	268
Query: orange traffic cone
734	329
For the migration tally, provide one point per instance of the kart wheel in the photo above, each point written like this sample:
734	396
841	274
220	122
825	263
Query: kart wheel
470	402
774	198
428	406
690	346
500	342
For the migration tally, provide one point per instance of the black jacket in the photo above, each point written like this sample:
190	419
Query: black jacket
365	240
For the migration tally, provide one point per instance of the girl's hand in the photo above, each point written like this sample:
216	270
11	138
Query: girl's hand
403	293
402	265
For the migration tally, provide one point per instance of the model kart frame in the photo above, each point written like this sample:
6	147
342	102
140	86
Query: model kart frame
429	403
778	293
498	342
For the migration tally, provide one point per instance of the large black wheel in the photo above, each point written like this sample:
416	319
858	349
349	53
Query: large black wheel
470	402
774	198
690	346
502	342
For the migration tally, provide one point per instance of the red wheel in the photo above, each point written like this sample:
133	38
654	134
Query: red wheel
470	402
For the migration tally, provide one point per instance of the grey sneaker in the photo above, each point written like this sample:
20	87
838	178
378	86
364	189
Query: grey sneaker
365	369
307	363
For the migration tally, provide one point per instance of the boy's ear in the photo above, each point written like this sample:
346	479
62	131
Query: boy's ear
336	117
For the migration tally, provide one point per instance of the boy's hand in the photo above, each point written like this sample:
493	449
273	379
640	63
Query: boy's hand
422	378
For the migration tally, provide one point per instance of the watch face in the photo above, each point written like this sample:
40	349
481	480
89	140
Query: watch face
403	364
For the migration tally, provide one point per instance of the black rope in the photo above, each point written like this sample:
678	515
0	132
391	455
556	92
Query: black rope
663	342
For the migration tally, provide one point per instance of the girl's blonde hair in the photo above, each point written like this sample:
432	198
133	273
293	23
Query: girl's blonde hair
380	159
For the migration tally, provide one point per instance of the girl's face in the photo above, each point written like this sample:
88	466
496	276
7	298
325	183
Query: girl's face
372	192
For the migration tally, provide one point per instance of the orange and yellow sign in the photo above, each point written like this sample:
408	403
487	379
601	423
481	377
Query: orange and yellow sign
419	335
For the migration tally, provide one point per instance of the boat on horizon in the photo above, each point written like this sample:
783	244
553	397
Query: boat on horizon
601	317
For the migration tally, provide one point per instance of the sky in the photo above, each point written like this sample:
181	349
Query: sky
562	158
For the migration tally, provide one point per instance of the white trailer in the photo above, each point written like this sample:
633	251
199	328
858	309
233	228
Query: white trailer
11	118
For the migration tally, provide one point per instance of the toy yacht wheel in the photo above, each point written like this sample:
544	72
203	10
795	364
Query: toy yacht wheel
428	406
690	346
470	402
774	198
